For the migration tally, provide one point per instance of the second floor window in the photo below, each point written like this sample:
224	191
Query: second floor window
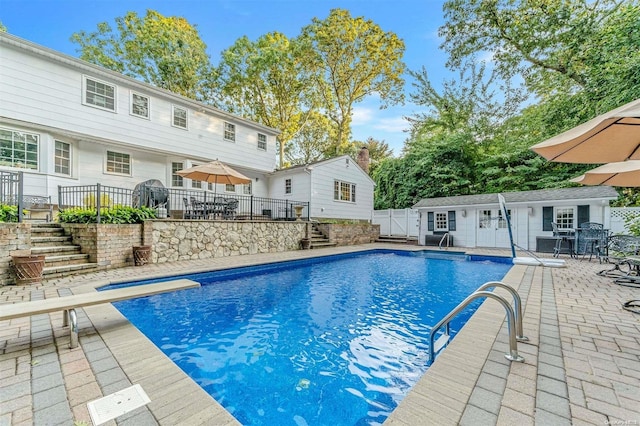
139	105
118	163
176	181
19	149
262	142
99	94
229	132
62	158
287	186
179	117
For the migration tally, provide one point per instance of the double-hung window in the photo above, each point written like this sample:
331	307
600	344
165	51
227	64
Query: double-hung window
99	94
229	132
247	188
179	117
19	149
62	158
229	187
344	191
177	181
262	142
118	163
287	186
139	105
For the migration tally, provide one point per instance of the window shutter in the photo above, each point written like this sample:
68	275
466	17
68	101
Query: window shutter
430	225
583	215
452	220
547	218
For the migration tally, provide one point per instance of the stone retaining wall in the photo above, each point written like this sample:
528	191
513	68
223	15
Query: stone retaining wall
350	234
194	239
15	239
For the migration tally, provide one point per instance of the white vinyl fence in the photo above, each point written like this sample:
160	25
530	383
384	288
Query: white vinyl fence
397	222
618	217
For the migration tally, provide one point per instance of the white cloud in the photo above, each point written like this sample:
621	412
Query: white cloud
362	116
393	124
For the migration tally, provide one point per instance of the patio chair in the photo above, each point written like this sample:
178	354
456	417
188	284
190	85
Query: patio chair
197	208
230	209
619	250
561	237
593	239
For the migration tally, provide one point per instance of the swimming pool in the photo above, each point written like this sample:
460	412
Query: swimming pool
336	340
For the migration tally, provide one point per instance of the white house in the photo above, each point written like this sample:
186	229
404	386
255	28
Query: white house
339	188
64	121
476	220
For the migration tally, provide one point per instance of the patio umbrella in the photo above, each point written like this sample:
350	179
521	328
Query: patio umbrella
622	173
613	136
214	172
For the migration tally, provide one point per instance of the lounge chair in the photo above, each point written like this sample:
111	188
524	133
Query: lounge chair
619	251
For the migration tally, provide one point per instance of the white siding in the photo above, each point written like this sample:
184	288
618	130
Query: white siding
45	90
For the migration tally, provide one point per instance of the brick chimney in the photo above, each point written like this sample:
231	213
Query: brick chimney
363	159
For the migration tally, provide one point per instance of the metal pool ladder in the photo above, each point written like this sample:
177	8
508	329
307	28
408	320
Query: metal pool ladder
513	315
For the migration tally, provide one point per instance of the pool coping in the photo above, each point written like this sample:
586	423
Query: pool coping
581	364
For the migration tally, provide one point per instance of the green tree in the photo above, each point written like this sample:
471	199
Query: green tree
164	51
309	143
556	46
358	59
271	81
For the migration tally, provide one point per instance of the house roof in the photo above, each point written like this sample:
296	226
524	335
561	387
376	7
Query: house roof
310	166
84	66
537	196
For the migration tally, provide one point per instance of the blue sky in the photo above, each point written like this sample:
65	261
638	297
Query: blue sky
221	22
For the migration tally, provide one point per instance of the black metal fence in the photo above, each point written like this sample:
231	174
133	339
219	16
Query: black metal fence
11	191
183	203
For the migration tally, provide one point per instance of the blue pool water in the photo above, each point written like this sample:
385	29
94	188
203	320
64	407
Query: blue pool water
329	341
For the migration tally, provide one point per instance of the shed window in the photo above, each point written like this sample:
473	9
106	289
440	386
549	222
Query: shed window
441	221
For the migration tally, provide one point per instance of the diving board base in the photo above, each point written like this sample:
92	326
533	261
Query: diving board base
532	261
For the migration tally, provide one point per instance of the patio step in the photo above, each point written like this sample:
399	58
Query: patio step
397	239
65	270
43	241
318	239
61	256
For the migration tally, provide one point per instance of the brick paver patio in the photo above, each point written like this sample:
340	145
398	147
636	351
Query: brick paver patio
582	362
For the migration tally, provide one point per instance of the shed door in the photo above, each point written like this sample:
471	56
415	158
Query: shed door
492	228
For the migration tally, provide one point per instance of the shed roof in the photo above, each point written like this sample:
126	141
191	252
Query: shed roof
541	195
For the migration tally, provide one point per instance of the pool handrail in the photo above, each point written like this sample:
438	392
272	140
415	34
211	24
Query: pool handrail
517	305
444	338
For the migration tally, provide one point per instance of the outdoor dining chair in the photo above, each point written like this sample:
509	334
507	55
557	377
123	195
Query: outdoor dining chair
562	236
230	208
593	239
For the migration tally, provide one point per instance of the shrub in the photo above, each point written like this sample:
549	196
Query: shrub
114	215
8	213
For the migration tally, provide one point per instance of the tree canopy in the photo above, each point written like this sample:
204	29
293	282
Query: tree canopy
164	51
358	59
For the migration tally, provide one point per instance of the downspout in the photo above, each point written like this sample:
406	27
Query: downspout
308	170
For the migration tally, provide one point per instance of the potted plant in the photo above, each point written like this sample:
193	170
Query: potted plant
28	268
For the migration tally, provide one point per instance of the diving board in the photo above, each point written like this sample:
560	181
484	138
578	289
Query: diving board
70	303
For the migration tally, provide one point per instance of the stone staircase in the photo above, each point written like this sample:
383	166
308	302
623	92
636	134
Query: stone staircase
397	239
318	240
62	257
